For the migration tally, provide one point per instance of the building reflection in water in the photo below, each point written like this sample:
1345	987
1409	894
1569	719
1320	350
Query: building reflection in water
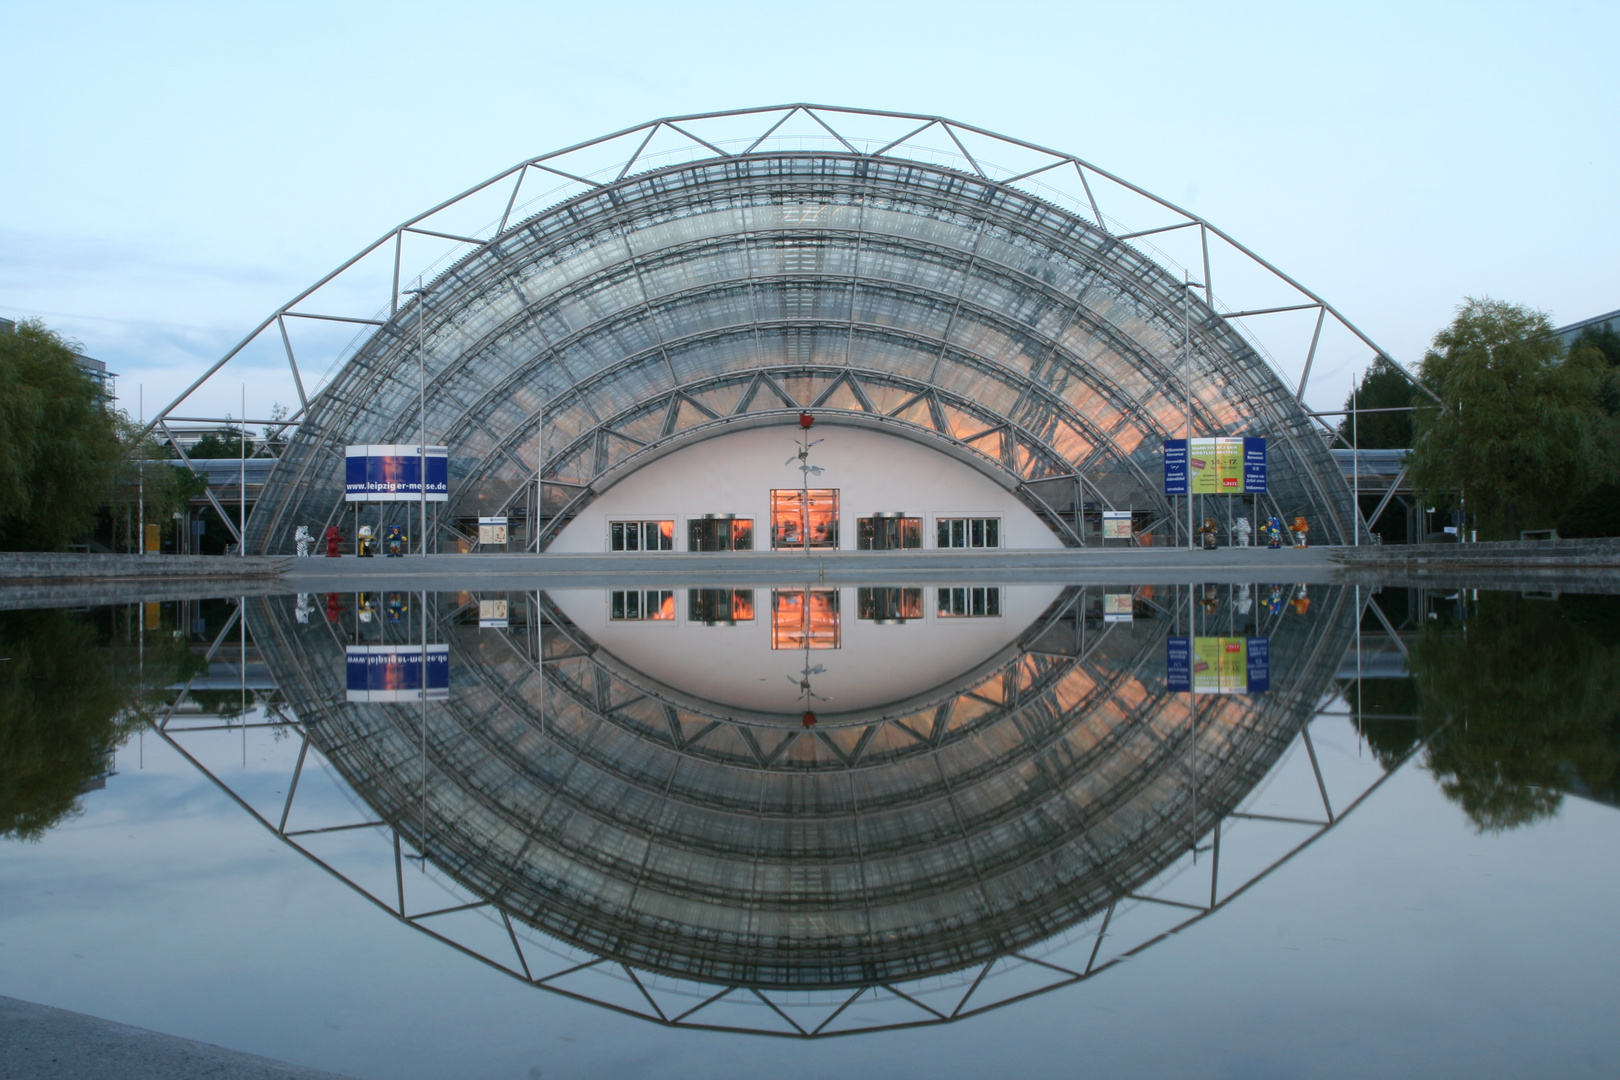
997	775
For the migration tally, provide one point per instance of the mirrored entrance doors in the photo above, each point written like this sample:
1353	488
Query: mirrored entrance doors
796	514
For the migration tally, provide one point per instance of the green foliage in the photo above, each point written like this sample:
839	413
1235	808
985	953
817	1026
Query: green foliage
1601	338
1522	429
1523	705
1384	386
1597	513
59	448
147	471
1601	347
68	698
223	442
62	709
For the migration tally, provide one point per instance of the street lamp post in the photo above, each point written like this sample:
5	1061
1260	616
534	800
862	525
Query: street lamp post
421	405
1187	285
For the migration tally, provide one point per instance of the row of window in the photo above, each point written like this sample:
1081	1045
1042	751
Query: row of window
801	520
803	618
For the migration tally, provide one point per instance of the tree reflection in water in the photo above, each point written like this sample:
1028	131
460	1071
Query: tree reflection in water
71	690
1521	700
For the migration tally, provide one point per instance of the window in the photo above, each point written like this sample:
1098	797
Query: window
711	606
641	605
975	602
804	619
888	605
887	532
720	532
970	532
791	518
641	536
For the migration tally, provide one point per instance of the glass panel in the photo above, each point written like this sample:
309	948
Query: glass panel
888	605
992	532
805	619
791	517
641	605
712	606
977	527
616	531
944	532
976	602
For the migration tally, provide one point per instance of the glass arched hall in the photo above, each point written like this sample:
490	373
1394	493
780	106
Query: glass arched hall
701	293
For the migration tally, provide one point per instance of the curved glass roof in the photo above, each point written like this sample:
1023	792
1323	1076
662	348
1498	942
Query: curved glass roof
951	825
697	298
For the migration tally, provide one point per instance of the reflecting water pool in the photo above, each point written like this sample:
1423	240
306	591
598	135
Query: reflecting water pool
1236	828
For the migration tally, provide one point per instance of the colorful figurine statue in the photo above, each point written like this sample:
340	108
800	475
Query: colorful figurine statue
334	607
302	538
365	542
334	540
1274	600
303	608
1301	601
1241	531
396	606
1207	534
1299	528
395	541
1245	602
1274	533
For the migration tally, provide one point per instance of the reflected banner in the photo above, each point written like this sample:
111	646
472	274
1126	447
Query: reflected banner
385	673
392	472
1218	665
1223	466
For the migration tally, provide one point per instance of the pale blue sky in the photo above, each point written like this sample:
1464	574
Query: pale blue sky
173	172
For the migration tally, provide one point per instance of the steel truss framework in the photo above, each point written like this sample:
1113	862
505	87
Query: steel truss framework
1222	850
683	277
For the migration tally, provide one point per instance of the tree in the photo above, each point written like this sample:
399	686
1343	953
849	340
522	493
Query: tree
59	447
69	696
223	442
1384	386
1521	431
1523	705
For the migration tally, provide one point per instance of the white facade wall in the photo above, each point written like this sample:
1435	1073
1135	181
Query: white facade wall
873	473
875	664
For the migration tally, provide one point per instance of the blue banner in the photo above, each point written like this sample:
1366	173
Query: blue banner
1175	466
1254	465
393	473
1178	664
384	673
1259	665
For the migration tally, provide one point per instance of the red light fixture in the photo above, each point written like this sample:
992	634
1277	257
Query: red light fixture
809	720
805	420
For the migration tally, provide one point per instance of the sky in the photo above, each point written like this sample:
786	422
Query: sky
172	173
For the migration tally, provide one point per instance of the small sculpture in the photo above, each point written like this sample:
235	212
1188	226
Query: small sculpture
1274	533
303	540
1241	531
334	540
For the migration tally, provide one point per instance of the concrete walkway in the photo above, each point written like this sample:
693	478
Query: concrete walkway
38	1042
1068	565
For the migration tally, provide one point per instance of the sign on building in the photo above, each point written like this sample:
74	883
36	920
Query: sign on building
1219	466
384	673
1218	665
491	531
392	472
1116	525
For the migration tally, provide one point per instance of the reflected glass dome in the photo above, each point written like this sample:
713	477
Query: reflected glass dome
817	818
